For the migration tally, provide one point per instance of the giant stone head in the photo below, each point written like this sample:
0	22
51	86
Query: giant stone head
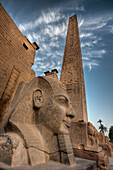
40	116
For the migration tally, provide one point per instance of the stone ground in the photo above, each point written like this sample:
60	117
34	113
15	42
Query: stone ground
82	164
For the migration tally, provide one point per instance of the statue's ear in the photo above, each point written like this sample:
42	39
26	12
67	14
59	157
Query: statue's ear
37	98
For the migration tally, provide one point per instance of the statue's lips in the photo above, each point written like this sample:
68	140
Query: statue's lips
68	124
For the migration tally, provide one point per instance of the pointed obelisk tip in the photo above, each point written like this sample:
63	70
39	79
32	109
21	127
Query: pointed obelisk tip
73	16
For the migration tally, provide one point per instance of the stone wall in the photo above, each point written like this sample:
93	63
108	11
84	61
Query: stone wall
16	58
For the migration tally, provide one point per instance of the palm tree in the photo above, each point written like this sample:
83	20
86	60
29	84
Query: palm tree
102	127
105	129
100	121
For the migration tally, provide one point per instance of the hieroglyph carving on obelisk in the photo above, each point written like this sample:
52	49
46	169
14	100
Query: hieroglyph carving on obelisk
72	71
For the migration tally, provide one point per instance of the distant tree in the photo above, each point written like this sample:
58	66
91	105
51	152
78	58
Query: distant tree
102	128
105	129
100	121
111	134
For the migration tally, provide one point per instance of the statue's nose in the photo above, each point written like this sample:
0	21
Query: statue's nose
71	113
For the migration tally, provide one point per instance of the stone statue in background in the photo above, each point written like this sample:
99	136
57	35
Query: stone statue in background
92	135
37	123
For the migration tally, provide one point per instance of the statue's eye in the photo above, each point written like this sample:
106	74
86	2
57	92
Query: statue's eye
62	99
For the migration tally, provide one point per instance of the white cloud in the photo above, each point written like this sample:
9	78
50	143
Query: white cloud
91	58
111	28
56	30
59	62
29	36
85	58
93	20
44	66
88	44
96	22
54	44
49	30
85	35
80	23
79	8
95	53
36	36
51	16
38	59
49	35
93	26
52	65
91	40
76	7
90	65
94	42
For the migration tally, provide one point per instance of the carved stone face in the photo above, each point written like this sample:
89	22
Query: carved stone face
55	112
41	109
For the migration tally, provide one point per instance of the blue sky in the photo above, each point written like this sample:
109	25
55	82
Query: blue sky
46	22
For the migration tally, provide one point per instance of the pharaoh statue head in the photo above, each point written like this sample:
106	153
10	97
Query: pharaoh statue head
38	123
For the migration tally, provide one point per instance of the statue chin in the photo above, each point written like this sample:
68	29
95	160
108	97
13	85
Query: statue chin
64	129
28	140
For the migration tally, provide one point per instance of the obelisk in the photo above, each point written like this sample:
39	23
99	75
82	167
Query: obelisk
72	71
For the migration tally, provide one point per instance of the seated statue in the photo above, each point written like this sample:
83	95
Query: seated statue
36	128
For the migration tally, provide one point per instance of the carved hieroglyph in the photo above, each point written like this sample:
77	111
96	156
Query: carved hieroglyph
36	127
72	71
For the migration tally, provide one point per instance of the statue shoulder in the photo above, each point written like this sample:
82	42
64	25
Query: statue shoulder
10	146
6	149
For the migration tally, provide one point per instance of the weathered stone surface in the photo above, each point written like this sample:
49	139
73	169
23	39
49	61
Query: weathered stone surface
101	138
105	144
38	123
6	149
78	134
92	135
84	136
82	164
111	144
111	163
100	158
107	140
107	148
85	143
15	60
72	71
